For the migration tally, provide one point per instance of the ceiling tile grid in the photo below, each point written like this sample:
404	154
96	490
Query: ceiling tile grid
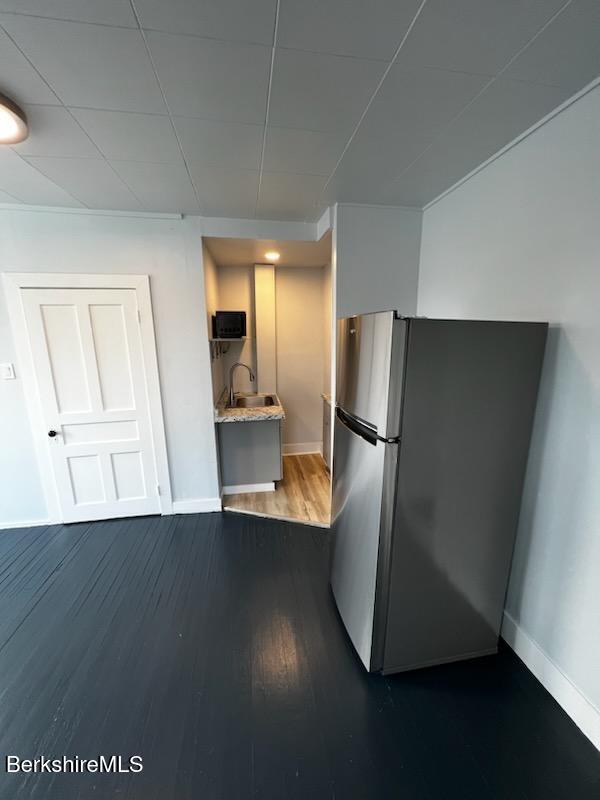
91	181
87	65
27	184
105	12
272	109
158	187
228	20
495	119
220	144
54	132
130	136
20	80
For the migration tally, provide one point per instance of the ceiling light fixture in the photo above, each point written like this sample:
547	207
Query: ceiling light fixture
13	122
272	255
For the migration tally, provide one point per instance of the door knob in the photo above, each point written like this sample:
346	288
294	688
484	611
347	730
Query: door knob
52	434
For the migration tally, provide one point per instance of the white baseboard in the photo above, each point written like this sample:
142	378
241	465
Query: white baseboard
249	488
199	505
302	448
7	526
583	713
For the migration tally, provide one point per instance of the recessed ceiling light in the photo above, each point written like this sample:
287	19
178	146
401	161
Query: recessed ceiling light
272	255
13	122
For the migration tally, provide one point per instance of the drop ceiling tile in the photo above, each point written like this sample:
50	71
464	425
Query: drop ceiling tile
210	79
159	187
230	20
353	184
290	197
369	163
18	79
220	144
301	151
590	8
419	100
410	108
503	112
89	65
23	181
8	198
92	181
54	132
365	30
225	192
319	92
107	12
566	54
478	36
129	136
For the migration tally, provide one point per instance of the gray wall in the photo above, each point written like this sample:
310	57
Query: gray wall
377	258
169	250
521	240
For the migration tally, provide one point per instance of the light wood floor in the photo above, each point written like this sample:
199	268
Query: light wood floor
303	493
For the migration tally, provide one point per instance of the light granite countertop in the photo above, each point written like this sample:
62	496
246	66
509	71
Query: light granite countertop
225	414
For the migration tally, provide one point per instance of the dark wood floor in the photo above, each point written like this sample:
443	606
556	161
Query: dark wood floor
210	646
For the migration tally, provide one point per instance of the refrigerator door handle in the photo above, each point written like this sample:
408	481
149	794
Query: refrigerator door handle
360	429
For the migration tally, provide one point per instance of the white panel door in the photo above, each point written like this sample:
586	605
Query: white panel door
87	356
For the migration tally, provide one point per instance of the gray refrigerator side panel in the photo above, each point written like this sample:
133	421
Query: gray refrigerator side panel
469	401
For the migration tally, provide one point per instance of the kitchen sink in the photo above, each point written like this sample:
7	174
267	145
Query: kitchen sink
255	401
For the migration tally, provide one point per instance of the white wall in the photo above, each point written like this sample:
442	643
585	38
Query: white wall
265	326
300	346
377	258
521	240
236	293
327	328
211	291
169	250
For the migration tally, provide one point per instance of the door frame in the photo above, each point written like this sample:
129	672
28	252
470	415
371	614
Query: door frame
14	282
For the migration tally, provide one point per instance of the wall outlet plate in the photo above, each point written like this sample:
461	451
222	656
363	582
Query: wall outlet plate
7	372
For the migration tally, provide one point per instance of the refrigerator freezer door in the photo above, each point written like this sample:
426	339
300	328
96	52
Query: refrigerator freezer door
367	350
358	468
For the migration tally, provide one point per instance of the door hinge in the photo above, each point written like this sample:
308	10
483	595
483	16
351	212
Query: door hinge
158	489
139	316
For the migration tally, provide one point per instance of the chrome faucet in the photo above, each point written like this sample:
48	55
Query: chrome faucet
231	371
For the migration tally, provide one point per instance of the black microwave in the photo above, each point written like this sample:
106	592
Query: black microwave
229	324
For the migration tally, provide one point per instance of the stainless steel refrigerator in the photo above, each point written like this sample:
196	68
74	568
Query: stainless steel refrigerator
432	430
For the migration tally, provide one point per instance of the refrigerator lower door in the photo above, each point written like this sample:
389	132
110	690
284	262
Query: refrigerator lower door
362	472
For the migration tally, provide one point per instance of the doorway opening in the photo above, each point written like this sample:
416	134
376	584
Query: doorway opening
270	319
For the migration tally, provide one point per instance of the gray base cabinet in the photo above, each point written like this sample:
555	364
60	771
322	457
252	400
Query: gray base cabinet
250	452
